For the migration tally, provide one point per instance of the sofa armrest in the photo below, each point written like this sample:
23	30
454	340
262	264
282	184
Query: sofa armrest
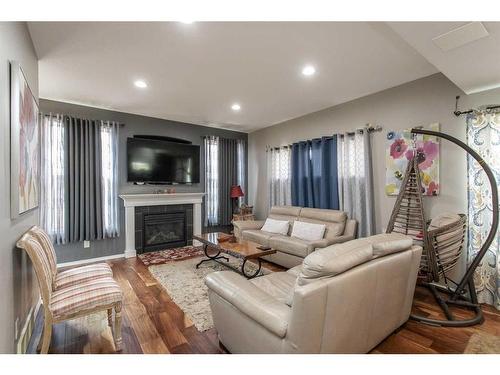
325	242
250	300
242	225
249	224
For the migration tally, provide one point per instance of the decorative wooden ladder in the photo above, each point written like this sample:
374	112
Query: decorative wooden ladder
408	218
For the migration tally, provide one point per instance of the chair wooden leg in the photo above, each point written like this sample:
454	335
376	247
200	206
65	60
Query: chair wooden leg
118	327
47	335
110	317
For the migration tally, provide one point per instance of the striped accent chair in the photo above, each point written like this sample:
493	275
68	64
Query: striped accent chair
73	293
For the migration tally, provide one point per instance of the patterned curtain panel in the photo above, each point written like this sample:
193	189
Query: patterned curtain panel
278	172
356	181
483	135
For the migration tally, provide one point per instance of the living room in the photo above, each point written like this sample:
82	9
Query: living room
207	187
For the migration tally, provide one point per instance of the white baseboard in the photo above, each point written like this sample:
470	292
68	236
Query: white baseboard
27	330
87	261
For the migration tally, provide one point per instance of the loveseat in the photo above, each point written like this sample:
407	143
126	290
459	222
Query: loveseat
345	298
291	251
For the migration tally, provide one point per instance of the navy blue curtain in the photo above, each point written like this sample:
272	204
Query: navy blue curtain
314	173
302	182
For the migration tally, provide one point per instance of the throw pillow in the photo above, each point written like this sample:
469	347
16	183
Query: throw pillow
276	226
308	231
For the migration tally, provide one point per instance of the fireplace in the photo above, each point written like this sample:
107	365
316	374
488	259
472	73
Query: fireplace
162	231
163	227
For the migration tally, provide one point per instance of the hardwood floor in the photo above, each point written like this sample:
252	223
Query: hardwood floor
153	323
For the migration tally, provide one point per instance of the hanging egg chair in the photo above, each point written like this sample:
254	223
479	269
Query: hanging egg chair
442	240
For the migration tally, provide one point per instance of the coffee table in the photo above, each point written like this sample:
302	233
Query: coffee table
241	249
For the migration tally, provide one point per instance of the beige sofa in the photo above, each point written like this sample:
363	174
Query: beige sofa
292	251
345	298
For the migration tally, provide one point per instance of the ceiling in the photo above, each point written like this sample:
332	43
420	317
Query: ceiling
473	66
195	72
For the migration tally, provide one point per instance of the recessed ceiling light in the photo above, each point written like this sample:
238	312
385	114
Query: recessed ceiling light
187	22
141	84
236	107
308	70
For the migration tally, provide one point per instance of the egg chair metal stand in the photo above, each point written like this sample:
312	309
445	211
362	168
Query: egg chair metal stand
463	294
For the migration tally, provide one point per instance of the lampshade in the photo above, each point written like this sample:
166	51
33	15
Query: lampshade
236	191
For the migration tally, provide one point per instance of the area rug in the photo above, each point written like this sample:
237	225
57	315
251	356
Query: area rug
185	284
483	343
168	255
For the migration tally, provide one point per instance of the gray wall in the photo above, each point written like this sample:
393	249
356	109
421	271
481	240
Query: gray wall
19	289
134	124
421	102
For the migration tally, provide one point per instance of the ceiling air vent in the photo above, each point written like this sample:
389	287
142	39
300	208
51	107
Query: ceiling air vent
461	36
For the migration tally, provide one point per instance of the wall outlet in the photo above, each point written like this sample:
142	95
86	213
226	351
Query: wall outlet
16	329
86	244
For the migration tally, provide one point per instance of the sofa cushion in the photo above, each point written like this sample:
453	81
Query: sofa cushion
257	235
333	260
290	213
443	220
388	243
289	245
308	231
276	226
334	220
280	285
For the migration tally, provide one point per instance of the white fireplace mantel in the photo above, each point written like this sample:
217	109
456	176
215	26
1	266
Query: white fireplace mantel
134	200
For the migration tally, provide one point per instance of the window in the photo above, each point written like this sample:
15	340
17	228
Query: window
109	179
56	171
279	176
52	208
211	180
228	155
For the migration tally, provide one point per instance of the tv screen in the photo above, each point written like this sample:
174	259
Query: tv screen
155	161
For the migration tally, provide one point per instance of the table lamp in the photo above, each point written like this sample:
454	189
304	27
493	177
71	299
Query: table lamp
236	193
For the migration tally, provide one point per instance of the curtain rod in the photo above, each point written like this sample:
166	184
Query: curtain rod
458	113
368	127
121	124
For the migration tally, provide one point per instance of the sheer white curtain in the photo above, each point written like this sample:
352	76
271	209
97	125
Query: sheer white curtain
355	180
109	147
279	175
211	145
52	209
241	164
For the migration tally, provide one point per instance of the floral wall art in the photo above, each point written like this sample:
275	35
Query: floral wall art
24	144
399	151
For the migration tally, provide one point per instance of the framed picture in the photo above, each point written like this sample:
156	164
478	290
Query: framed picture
24	144
399	150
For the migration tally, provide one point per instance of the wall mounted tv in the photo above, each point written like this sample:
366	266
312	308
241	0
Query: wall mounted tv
156	161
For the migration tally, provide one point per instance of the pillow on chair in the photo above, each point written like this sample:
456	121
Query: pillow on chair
276	226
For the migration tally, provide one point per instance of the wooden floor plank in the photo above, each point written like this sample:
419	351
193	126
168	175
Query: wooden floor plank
153	323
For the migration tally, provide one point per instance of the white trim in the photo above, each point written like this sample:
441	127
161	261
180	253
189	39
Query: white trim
87	261
131	201
24	335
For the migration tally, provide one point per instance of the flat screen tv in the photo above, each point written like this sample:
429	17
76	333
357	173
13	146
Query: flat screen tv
160	162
